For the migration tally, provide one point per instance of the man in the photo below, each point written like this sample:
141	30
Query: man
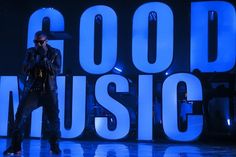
41	65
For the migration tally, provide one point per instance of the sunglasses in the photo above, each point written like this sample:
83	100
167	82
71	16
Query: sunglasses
39	41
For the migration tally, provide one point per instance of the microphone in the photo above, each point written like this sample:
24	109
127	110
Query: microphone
41	51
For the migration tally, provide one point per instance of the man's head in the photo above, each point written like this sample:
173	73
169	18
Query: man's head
40	39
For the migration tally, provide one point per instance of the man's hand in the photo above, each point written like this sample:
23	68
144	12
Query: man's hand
41	51
41	57
44	63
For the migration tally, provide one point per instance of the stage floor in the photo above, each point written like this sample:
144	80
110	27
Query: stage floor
40	148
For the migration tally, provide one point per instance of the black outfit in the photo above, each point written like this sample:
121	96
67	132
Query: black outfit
41	68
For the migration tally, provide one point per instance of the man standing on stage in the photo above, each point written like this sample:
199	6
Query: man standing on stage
41	65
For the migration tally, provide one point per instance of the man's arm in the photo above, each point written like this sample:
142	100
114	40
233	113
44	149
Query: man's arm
28	62
53	65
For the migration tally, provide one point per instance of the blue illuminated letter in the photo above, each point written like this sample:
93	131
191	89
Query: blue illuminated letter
36	123
226	47
56	24
109	39
78	106
7	84
164	41
35	24
169	109
116	108
145	101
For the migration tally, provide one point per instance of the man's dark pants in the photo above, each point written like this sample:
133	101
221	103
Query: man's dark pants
31	101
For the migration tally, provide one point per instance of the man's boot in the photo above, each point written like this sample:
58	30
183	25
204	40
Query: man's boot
12	150
15	147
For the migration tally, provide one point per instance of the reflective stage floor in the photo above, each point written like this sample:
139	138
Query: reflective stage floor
40	148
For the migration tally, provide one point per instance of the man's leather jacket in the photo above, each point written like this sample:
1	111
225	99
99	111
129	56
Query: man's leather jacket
52	62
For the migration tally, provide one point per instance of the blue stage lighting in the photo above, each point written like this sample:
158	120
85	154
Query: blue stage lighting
118	69
228	122
212	15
